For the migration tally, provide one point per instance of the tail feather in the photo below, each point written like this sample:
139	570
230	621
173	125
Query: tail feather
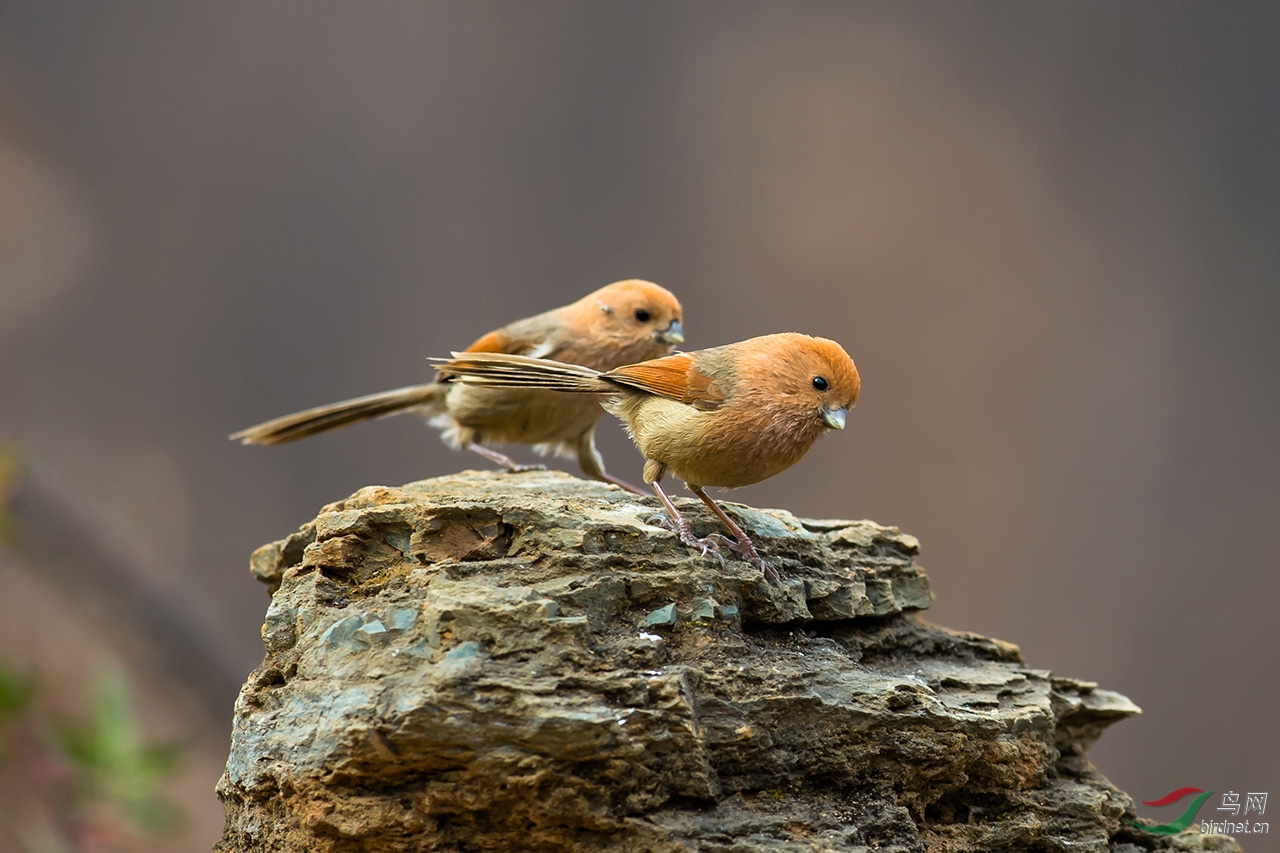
337	415
502	370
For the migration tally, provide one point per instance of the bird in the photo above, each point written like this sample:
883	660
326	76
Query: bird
621	323
728	416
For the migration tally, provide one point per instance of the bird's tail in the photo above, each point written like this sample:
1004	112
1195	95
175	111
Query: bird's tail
429	399
500	370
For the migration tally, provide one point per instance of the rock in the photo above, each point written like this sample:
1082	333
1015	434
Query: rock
492	662
662	616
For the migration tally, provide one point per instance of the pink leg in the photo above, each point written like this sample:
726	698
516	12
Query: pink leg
503	459
622	484
709	545
743	547
592	463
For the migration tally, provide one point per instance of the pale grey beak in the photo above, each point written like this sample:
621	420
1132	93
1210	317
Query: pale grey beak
834	418
672	334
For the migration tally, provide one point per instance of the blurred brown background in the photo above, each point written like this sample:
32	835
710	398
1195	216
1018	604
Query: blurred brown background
1047	233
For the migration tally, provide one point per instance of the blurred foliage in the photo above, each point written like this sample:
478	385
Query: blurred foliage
114	766
10	476
16	694
79	786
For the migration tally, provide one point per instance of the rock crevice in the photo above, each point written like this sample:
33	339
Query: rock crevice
489	662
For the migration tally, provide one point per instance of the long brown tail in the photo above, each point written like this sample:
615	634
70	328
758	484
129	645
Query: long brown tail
427	398
500	370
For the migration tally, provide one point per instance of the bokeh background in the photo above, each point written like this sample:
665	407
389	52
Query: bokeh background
1049	234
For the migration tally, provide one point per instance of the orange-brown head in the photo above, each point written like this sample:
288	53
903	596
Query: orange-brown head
630	314
803	374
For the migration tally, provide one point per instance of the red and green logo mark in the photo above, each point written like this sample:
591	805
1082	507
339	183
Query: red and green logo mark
1184	820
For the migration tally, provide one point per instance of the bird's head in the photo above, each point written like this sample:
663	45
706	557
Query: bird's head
638	315
815	376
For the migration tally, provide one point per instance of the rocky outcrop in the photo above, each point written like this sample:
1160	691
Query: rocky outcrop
497	662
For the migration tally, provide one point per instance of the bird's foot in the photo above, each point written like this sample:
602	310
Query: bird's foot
520	469
770	573
707	546
747	551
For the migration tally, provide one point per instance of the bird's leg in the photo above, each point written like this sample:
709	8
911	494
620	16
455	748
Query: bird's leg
743	545
709	545
503	459
592	463
622	484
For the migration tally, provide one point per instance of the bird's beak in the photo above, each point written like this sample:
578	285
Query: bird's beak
672	334
834	418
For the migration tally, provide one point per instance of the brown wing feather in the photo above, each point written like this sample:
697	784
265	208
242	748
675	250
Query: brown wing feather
491	342
540	336
675	377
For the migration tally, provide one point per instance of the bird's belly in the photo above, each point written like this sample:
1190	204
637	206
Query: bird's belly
714	448
522	415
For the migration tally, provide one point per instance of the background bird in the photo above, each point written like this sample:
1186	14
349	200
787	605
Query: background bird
727	416
621	323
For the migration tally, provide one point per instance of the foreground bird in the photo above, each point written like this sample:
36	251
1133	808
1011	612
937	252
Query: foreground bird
621	323
728	416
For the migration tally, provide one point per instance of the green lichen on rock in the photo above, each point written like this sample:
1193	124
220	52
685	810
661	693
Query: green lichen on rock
522	662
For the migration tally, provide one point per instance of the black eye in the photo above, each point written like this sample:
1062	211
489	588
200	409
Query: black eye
819	383
642	315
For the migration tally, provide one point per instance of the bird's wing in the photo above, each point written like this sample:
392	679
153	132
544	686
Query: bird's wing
533	336
491	342
675	377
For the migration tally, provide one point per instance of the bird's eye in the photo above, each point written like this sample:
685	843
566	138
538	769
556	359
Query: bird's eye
642	315
819	383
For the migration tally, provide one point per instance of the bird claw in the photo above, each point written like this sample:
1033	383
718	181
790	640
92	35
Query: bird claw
711	548
521	469
708	546
749	554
